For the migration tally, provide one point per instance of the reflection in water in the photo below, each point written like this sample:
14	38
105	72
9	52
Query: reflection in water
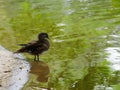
96	76
38	80
40	69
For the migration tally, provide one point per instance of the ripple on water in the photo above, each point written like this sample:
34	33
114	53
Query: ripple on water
113	57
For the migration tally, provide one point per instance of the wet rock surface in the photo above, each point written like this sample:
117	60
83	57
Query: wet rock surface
14	70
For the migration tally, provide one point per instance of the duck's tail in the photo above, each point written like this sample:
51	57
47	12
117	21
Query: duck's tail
21	50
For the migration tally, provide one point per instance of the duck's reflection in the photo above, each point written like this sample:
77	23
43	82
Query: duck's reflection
40	69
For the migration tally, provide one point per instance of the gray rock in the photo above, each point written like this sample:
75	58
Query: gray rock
14	70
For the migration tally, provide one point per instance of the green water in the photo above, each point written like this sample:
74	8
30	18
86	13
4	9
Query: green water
76	58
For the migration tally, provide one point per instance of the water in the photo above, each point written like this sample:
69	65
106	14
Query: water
113	52
113	57
84	37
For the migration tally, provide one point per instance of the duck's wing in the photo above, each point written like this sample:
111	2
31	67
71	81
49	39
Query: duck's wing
32	42
38	45
26	47
28	44
34	45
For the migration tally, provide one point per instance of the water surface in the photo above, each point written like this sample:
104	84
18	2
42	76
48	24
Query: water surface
84	37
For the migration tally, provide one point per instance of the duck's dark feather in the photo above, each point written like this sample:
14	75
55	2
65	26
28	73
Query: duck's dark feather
35	47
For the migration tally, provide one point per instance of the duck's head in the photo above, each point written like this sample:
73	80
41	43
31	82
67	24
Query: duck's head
42	36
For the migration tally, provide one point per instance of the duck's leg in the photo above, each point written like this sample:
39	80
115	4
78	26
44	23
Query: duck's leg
38	57
35	58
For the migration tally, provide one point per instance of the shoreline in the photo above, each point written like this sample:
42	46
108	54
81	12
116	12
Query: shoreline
14	70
